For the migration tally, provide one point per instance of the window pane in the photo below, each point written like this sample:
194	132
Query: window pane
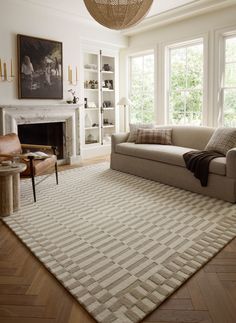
148	64
230	49
142	88
195	66
230	108
230	75
178	68
177	107
137	65
194	107
186	84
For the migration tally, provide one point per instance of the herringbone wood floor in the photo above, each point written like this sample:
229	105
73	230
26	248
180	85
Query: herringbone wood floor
30	294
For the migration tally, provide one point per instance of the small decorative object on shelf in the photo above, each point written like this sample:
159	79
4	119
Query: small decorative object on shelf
91	67
74	99
90	139
107	68
106	104
108	84
91	105
85	103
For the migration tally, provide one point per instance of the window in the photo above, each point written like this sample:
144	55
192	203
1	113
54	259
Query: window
185	95
142	88
228	89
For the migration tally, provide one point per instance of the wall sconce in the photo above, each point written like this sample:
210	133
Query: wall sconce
70	76
3	72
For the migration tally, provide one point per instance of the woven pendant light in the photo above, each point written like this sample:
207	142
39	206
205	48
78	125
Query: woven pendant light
118	14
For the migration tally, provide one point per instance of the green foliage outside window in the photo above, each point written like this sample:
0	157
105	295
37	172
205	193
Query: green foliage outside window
142	89
186	85
229	106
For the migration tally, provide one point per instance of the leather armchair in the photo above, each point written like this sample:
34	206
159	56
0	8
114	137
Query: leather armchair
11	147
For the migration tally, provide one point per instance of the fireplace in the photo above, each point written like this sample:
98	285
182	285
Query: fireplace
63	116
51	133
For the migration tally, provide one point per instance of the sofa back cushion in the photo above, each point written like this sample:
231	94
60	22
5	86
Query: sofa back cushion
190	136
154	136
222	140
134	130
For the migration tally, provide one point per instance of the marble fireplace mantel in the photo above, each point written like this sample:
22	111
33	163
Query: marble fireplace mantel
13	115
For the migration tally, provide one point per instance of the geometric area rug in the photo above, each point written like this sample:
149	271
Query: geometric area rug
120	244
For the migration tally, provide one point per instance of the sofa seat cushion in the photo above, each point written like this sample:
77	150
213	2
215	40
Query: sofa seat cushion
167	154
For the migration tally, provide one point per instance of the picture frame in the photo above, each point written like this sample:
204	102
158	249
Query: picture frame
40	68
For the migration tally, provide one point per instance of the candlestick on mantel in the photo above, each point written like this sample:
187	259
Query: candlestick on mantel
1	68
11	69
68	73
71	75
5	71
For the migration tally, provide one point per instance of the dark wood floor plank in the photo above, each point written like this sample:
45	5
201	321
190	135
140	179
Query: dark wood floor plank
215	298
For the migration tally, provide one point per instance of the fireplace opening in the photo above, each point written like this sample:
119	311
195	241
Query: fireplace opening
43	134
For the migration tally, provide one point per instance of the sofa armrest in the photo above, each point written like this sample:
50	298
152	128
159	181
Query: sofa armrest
231	163
118	139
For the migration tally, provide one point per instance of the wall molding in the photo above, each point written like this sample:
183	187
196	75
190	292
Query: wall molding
180	13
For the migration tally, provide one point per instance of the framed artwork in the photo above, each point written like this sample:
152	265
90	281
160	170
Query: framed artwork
40	68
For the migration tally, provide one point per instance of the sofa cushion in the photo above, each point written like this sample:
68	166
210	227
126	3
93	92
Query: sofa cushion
134	130
154	136
222	140
190	136
166	154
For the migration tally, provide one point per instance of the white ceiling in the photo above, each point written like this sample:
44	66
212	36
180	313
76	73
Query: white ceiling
77	7
160	6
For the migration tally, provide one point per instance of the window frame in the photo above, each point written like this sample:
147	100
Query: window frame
130	57
221	78
202	39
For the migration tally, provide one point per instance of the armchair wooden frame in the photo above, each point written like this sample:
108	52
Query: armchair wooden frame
32	159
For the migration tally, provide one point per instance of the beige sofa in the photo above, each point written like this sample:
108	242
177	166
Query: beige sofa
165	163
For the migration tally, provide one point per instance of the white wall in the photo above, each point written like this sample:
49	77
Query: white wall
25	17
205	25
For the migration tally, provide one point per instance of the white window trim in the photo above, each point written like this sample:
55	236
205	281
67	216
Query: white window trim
203	39
140	54
220	39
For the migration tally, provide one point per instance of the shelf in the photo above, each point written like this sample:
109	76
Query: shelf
111	108
107	90
91	109
90	89
91	128
92	143
107	72
109	126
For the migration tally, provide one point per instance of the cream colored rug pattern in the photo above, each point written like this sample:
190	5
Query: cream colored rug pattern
119	243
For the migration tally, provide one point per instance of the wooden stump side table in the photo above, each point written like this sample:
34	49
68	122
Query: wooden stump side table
10	188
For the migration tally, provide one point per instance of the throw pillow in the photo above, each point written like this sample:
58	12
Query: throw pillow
222	140
154	136
134	130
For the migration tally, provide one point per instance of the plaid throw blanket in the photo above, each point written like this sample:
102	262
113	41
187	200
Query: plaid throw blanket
198	163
